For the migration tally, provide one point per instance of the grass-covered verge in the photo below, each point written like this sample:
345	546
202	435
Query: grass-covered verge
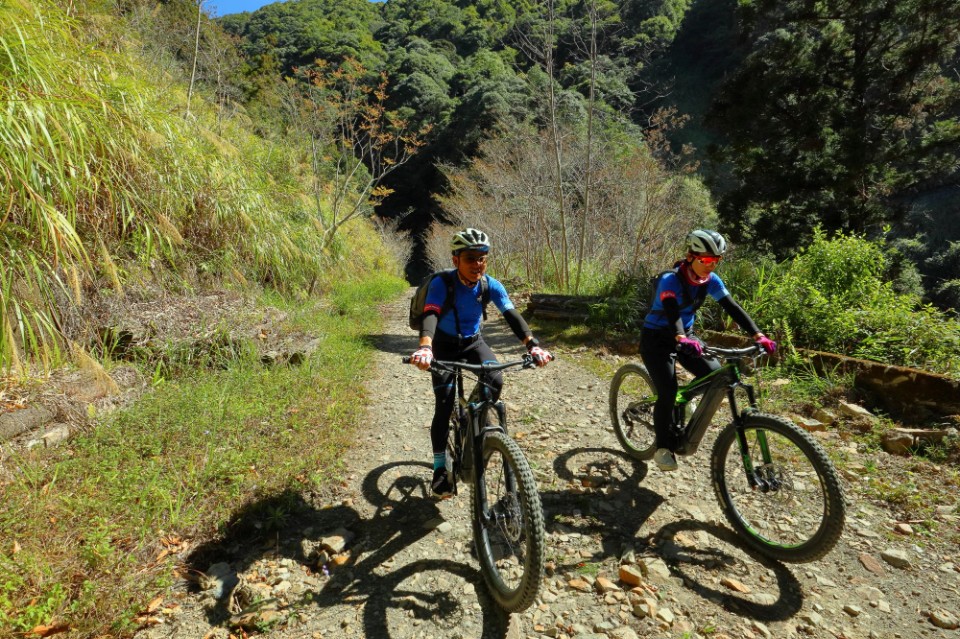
87	529
107	179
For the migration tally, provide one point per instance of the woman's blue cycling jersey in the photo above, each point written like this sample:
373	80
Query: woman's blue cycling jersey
671	286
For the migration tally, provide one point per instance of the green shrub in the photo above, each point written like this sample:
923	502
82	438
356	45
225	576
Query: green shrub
948	294
834	296
844	294
625	300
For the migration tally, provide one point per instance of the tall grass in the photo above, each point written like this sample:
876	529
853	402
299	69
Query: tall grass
105	180
85	531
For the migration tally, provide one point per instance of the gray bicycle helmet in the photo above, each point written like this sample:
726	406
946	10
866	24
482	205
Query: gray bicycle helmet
471	239
702	241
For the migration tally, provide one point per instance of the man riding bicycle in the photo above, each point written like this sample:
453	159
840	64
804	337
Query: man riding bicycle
451	331
667	333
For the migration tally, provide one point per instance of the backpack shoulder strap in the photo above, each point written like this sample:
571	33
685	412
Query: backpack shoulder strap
701	297
449	302
449	282
689	300
683	285
484	295
694	302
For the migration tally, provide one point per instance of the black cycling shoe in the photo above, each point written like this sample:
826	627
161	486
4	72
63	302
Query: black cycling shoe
442	488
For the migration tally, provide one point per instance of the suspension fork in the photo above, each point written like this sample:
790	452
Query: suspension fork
754	476
462	452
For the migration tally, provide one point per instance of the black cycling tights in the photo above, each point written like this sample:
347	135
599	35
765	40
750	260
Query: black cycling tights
444	388
659	354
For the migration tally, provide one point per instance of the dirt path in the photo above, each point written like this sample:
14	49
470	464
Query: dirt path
406	569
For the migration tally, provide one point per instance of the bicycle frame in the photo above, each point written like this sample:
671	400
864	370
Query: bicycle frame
802	518
721	383
506	513
472	423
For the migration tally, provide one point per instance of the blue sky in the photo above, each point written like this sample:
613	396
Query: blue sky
223	7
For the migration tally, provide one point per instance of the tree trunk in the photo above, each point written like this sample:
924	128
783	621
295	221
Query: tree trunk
588	172
196	53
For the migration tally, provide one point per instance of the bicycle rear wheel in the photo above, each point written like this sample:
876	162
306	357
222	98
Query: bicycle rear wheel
791	505
632	397
508	524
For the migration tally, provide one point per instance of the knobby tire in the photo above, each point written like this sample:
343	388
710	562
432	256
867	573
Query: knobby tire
517	543
632	396
808	497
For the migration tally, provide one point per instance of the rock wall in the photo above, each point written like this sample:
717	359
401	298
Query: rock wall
908	392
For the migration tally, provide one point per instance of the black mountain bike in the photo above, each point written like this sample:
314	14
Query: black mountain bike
508	527
776	485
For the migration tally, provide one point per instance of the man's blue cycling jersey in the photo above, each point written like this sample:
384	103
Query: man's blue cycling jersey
671	286
468	304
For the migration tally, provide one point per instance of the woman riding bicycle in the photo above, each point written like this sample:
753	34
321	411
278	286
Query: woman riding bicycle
667	334
451	331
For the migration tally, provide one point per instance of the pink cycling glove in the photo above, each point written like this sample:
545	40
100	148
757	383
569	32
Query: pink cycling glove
768	345
689	346
540	356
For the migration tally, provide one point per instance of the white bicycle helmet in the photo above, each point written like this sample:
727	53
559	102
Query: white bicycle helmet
702	241
471	239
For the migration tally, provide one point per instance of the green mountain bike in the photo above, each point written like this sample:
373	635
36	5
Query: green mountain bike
508	524
776	485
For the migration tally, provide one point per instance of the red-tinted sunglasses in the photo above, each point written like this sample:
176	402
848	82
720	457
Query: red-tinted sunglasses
709	259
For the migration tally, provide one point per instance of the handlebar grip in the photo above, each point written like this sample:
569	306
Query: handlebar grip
405	359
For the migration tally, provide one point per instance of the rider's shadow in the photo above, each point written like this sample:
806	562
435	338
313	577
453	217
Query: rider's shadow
615	517
276	527
398	344
628	507
395	594
272	527
682	557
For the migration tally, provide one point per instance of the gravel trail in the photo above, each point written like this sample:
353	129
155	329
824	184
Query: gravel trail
379	558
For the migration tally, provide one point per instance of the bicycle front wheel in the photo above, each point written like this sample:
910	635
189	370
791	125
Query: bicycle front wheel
508	524
632	397
779	491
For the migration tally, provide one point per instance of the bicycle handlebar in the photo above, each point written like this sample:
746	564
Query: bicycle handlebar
526	362
733	353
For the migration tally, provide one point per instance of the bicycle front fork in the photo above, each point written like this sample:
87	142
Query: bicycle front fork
763	477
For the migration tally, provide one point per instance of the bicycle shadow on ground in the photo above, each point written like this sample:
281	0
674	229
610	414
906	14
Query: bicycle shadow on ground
620	479
681	554
272	527
405	514
276	527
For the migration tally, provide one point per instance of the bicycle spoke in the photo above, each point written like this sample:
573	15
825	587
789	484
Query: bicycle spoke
784	494
503	523
631	411
508	524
